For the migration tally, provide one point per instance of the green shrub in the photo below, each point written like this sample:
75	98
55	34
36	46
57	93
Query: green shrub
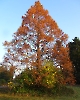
2	82
47	77
52	75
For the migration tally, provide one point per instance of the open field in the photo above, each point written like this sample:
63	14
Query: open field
75	96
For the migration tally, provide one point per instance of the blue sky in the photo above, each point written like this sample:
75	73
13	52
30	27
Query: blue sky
65	12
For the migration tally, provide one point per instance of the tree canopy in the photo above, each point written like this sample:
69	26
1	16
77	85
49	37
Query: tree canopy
75	57
38	39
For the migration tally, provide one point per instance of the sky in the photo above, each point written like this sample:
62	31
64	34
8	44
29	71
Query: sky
65	12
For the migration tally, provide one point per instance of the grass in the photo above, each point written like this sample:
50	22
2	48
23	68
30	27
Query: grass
62	96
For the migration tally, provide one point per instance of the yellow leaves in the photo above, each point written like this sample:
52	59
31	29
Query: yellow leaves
10	84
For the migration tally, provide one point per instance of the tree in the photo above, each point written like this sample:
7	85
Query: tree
75	57
5	75
37	39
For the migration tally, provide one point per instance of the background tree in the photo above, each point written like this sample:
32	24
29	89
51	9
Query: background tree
75	57
5	75
37	39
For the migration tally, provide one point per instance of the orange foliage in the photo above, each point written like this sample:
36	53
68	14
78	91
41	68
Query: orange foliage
39	38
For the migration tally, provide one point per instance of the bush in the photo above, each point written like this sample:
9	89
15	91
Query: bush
2	82
47	77
52	75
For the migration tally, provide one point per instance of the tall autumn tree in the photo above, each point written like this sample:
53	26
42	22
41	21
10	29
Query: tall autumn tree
37	39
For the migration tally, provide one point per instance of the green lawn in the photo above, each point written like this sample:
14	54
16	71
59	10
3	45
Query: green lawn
75	96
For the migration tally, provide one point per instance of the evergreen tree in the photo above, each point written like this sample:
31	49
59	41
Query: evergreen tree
75	57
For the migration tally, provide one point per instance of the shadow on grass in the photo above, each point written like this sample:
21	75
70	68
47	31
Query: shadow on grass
39	91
